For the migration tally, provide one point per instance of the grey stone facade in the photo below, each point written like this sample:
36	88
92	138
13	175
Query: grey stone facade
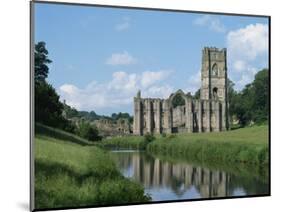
207	114
108	127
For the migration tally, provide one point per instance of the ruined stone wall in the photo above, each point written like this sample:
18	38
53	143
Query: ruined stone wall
157	116
207	114
108	127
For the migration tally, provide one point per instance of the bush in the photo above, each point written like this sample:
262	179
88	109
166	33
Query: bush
148	138
87	131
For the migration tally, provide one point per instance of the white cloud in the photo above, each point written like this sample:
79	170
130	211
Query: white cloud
124	25
123	58
194	82
119	91
150	77
247	52
248	42
213	23
163	91
247	77
239	65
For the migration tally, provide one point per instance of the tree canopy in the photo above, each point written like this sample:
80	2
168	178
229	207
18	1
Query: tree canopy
41	62
252	103
178	100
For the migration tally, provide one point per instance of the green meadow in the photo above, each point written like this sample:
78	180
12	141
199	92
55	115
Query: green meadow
125	142
68	174
244	145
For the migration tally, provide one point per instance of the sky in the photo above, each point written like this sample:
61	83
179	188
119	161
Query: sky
103	56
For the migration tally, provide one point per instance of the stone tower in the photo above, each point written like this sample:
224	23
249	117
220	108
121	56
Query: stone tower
214	74
214	80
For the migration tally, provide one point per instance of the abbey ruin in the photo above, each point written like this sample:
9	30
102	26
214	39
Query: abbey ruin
183	113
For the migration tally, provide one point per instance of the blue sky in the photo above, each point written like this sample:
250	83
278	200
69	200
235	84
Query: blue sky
102	56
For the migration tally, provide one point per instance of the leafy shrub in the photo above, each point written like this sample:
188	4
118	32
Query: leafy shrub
148	137
87	131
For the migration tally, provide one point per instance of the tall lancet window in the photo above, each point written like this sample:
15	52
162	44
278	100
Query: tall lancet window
215	70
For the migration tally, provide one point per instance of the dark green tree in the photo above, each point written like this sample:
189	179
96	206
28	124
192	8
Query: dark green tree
261	96
251	105
87	131
232	94
178	100
41	62
69	111
116	116
48	108
197	94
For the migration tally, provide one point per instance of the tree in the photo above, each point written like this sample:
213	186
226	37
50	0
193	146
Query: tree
41	62
116	116
252	103
261	96
178	100
69	111
232	99
87	131
197	94
48	108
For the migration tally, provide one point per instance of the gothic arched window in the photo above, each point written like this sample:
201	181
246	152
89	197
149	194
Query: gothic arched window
215	93
215	70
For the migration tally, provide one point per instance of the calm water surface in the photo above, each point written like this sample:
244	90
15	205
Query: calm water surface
165	180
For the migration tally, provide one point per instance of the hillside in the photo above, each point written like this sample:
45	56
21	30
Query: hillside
69	174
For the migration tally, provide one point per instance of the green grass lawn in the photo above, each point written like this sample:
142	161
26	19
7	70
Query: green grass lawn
249	145
125	142
41	129
68	174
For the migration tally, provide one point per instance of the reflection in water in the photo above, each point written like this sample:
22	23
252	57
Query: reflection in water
164	180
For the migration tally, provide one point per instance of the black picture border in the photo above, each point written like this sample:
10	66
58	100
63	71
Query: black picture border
31	90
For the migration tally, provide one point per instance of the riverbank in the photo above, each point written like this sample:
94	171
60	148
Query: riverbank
69	174
245	145
124	142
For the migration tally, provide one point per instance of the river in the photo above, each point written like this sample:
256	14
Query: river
164	180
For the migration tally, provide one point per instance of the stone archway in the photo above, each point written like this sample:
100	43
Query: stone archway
178	110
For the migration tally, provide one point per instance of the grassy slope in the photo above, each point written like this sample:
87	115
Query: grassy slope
60	134
248	145
68	174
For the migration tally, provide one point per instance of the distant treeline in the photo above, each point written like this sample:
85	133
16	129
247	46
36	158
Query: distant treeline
71	112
